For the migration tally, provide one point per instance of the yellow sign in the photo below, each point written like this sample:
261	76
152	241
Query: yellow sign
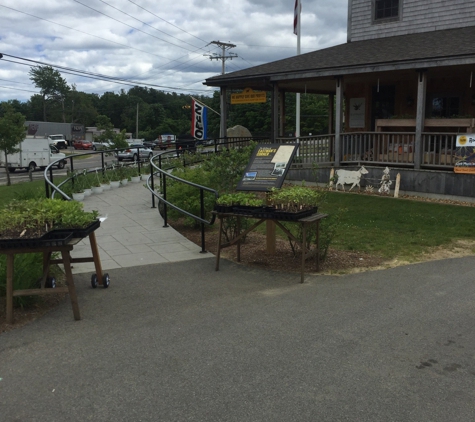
467	140
248	96
466	170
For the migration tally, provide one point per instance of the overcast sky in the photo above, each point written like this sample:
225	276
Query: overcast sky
156	42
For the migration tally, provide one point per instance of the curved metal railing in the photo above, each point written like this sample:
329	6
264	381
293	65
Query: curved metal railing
52	189
156	169
162	195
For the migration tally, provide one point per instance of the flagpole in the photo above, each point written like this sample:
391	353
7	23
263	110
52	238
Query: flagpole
204	105
297	97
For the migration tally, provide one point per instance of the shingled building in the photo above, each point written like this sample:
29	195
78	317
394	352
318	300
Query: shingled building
402	88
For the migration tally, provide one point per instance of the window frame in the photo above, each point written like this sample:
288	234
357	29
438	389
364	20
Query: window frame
388	19
445	97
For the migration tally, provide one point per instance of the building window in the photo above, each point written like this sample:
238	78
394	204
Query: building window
445	107
386	10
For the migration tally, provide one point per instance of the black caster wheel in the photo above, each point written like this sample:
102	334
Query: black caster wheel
106	280
50	283
94	281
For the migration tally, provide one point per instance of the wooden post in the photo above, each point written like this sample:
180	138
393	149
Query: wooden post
396	188
332	175
9	289
270	237
270	233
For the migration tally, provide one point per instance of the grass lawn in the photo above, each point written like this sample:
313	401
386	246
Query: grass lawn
395	228
22	190
385	226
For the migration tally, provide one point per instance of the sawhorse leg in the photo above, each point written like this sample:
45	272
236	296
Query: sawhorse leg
9	290
218	254
70	282
96	257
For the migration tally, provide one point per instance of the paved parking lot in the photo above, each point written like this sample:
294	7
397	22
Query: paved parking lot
174	340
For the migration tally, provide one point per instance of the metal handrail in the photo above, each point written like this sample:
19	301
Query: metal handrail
162	198
51	189
155	170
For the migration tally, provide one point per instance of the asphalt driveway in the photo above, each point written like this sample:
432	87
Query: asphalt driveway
181	342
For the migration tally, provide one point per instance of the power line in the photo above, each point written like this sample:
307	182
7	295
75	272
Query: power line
130	26
145	23
82	32
101	38
224	46
169	23
18	89
90	75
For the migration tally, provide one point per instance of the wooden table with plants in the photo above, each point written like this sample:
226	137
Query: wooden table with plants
295	204
50	227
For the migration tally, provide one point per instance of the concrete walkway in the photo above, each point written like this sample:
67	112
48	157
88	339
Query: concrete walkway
132	233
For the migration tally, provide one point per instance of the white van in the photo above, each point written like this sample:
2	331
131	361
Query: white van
34	152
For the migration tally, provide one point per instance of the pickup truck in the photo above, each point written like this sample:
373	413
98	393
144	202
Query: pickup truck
166	141
59	141
184	144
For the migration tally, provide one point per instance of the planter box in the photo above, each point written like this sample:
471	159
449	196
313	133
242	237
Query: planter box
225	209
80	233
51	238
272	213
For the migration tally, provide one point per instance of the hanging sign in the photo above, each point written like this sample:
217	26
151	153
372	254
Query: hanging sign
267	167
357	113
465	153
248	96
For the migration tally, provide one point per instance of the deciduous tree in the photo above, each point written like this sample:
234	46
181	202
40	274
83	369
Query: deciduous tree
12	132
52	85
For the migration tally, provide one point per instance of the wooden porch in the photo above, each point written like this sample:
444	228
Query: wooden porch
437	150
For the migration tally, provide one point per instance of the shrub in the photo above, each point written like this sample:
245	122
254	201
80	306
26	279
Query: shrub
28	270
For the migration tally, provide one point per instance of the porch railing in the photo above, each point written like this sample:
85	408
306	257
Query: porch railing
379	148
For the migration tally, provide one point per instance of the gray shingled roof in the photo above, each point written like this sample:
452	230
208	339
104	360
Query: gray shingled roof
435	45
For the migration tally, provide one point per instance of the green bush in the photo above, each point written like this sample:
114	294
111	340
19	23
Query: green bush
28	270
218	171
187	197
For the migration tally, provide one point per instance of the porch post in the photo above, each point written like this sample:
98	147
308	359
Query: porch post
275	113
331	106
420	117
282	113
224	112
338	118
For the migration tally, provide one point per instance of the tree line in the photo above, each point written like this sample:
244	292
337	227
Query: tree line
159	112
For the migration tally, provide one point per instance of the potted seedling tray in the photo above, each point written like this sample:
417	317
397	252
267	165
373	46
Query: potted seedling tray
293	216
224	209
273	213
80	232
52	238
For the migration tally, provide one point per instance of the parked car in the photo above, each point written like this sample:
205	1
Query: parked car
151	144
101	145
82	144
205	142
133	151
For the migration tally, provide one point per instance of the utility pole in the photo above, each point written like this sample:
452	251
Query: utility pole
223	57
224	46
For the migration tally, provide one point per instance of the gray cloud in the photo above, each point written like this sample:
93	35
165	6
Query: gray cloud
169	49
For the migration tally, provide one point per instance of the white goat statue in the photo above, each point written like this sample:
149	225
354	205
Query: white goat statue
353	177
